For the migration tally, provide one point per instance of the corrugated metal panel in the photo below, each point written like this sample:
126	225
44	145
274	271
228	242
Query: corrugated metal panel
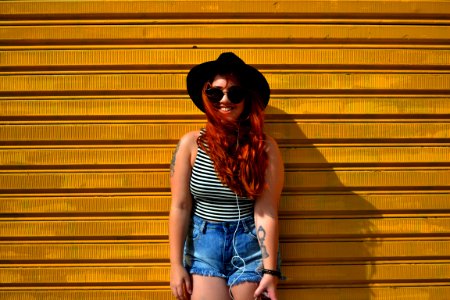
92	103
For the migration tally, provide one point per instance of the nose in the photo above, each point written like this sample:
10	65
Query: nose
225	97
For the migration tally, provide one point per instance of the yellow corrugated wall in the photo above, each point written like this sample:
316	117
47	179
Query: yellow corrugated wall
93	102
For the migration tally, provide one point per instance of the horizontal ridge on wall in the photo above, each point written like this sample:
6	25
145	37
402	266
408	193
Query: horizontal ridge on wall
155	228
181	60
147	251
181	108
294	131
261	35
79	181
301	204
159	156
393	291
138	275
383	11
293	83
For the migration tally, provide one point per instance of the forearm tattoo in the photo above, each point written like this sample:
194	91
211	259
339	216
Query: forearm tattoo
172	163
261	238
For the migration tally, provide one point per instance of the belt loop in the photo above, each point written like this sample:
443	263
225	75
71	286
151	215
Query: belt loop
203	226
245	225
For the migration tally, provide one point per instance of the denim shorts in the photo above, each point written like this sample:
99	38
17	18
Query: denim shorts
209	250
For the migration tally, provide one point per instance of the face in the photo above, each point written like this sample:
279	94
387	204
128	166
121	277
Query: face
227	109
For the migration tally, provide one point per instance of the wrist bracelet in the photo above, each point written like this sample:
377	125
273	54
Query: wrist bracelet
271	272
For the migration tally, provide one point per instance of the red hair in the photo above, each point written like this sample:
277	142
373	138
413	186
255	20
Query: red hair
237	149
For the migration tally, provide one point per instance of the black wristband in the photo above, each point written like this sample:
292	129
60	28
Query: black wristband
271	272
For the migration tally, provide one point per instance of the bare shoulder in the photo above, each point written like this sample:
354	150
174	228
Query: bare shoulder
185	152
271	146
189	140
274	155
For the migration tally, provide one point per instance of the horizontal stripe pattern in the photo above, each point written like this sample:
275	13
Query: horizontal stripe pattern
212	199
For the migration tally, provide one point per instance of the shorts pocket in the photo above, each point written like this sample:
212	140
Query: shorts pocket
194	232
193	235
252	231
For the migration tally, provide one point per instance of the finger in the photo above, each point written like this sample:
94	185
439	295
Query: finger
180	293
175	292
258	291
188	285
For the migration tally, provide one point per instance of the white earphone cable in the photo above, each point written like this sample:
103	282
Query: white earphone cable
237	256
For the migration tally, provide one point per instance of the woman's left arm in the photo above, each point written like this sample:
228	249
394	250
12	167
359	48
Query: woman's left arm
266	218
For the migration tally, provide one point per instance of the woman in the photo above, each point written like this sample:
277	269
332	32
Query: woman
226	182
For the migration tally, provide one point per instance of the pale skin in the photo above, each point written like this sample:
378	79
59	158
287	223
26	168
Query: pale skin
198	287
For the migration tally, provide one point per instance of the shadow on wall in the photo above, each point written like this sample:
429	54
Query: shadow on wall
327	235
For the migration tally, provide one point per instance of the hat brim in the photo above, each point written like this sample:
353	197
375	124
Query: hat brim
198	75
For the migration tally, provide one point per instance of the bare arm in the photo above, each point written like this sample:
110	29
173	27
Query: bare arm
266	217
180	212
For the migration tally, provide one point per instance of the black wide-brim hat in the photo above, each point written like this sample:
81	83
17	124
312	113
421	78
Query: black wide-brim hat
228	62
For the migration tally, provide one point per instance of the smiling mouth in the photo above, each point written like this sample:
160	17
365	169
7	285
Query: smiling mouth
226	108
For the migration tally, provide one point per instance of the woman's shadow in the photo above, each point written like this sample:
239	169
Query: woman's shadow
327	235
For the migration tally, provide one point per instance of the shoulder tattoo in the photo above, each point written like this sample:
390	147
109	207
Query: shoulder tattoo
172	163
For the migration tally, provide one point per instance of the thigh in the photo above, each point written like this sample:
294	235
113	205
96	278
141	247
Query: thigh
207	287
244	291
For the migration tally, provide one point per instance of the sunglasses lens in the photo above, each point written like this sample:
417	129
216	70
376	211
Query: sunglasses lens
214	94
236	94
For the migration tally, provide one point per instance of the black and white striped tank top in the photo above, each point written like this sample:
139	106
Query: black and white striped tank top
212	200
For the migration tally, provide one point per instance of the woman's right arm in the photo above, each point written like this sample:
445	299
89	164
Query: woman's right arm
180	213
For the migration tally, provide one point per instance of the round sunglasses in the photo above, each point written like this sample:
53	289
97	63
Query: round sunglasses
235	94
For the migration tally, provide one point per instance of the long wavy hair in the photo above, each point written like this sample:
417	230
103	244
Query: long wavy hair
237	149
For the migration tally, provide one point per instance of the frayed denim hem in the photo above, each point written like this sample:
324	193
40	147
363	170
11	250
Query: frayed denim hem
243	280
209	273
235	280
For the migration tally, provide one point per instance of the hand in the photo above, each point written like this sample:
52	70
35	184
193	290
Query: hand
180	282
267	287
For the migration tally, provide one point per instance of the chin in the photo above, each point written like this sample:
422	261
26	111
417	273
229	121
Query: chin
229	119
